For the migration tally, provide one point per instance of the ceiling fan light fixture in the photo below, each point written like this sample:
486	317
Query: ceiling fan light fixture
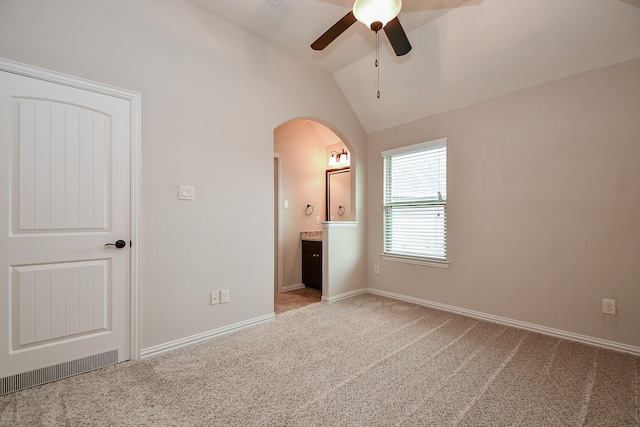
371	11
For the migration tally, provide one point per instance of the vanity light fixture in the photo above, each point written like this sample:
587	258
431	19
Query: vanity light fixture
339	159
332	160
343	158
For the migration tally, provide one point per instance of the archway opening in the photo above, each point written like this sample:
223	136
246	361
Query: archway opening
302	155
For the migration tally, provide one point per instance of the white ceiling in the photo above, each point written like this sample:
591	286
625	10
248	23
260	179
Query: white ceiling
464	51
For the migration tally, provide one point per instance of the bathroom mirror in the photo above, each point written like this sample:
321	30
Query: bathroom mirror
338	194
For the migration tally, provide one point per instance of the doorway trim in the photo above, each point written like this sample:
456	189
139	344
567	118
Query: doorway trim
277	203
135	102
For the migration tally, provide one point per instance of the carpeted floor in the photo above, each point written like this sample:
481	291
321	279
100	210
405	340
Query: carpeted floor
363	361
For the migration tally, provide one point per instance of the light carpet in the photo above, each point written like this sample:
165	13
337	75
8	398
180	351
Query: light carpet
363	361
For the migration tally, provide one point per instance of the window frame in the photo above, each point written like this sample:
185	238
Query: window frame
418	259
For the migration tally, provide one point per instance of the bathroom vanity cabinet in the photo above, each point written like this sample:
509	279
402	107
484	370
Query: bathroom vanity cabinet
312	264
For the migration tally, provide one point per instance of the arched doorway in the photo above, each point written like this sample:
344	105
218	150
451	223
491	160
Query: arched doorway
302	149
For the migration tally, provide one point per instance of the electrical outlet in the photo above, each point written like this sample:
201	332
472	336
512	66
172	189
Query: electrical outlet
376	269
214	298
224	296
608	306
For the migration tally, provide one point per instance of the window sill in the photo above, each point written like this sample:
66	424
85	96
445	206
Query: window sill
427	262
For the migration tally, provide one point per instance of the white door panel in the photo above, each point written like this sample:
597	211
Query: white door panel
64	194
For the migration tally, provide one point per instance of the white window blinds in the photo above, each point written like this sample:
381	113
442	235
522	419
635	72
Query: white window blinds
415	200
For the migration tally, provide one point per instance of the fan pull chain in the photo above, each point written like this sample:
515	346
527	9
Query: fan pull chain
377	56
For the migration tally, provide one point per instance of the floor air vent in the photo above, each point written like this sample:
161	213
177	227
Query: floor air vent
57	372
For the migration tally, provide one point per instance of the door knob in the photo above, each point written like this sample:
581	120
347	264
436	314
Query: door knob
118	244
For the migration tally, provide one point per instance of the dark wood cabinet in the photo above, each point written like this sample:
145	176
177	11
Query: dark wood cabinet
312	264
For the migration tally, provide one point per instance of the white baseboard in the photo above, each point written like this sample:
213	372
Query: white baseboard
293	287
558	333
157	349
611	345
345	295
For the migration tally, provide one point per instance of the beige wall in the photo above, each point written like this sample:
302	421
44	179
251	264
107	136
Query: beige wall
543	205
212	96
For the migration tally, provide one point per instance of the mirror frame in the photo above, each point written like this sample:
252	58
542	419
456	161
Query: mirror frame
328	173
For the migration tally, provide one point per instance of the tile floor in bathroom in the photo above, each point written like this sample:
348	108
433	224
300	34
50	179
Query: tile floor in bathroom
285	301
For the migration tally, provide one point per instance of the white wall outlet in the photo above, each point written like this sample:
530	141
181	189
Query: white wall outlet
214	298
224	296
608	306
376	269
286	204
187	192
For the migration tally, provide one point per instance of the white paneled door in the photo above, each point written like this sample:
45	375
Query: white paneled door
64	194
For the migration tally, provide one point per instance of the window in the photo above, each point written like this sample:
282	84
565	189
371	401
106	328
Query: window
415	202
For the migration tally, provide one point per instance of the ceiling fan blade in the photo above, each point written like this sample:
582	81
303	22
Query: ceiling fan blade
332	33
397	37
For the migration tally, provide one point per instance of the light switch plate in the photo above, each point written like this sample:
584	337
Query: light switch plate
187	192
224	296
214	298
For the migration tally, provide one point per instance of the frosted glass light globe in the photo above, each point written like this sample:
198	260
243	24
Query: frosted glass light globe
370	11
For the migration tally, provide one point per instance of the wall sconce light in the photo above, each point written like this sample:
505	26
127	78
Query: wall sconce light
339	159
332	160
343	158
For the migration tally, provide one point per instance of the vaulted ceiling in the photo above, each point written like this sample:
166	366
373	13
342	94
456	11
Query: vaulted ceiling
464	51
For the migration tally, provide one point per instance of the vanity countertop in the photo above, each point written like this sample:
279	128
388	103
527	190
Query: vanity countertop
314	236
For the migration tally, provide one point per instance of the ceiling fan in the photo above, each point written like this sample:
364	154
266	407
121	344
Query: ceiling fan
375	14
